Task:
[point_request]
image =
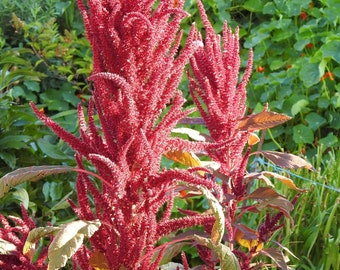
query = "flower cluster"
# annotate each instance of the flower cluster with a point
(126, 130)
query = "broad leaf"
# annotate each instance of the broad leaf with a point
(34, 235)
(98, 261)
(193, 134)
(228, 260)
(280, 203)
(248, 238)
(253, 138)
(277, 256)
(263, 176)
(218, 227)
(262, 120)
(263, 193)
(7, 248)
(68, 240)
(286, 160)
(185, 158)
(32, 174)
(285, 180)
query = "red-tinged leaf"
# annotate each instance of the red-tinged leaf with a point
(32, 174)
(187, 212)
(260, 176)
(263, 193)
(192, 121)
(262, 120)
(286, 160)
(277, 256)
(285, 180)
(98, 261)
(280, 203)
(248, 238)
(170, 252)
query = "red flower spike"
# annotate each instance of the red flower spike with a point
(217, 93)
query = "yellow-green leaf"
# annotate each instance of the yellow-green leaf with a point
(34, 235)
(68, 240)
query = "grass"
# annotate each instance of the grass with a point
(315, 237)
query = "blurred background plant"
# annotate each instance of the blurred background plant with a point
(45, 58)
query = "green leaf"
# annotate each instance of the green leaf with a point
(14, 141)
(303, 134)
(315, 121)
(32, 174)
(51, 150)
(22, 196)
(9, 159)
(331, 49)
(68, 240)
(309, 73)
(299, 106)
(329, 141)
(253, 5)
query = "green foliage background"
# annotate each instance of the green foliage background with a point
(45, 58)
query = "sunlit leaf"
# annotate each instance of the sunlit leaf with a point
(98, 261)
(277, 256)
(263, 193)
(248, 238)
(285, 180)
(218, 227)
(34, 235)
(263, 176)
(286, 160)
(253, 138)
(262, 120)
(68, 240)
(32, 174)
(228, 260)
(185, 158)
(7, 248)
(193, 134)
(258, 175)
